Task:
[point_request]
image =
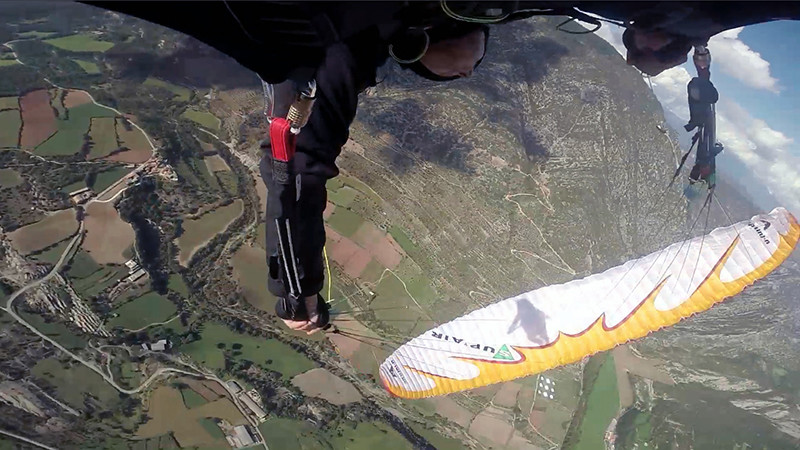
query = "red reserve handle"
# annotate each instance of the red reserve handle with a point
(282, 139)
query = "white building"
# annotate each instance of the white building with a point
(158, 346)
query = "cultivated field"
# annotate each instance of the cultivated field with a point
(10, 122)
(192, 399)
(107, 235)
(134, 140)
(73, 385)
(54, 228)
(99, 280)
(76, 98)
(601, 407)
(9, 178)
(168, 413)
(9, 103)
(176, 284)
(369, 436)
(181, 93)
(492, 425)
(202, 118)
(52, 255)
(215, 163)
(8, 62)
(35, 34)
(103, 134)
(327, 386)
(250, 269)
(360, 351)
(88, 66)
(71, 133)
(142, 311)
(197, 232)
(38, 120)
(80, 43)
(109, 177)
(267, 353)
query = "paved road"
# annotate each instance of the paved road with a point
(24, 439)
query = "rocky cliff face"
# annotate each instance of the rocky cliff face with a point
(546, 164)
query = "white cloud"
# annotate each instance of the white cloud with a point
(737, 59)
(670, 89)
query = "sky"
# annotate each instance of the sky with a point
(756, 70)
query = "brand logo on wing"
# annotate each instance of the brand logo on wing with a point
(759, 232)
(461, 341)
(395, 371)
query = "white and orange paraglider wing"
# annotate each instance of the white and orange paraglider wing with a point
(561, 324)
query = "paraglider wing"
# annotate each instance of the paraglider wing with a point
(561, 324)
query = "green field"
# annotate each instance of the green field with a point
(73, 187)
(343, 197)
(203, 118)
(176, 284)
(10, 122)
(403, 240)
(9, 178)
(75, 383)
(259, 350)
(601, 407)
(192, 399)
(35, 34)
(87, 66)
(69, 138)
(109, 177)
(8, 62)
(133, 139)
(128, 375)
(436, 439)
(393, 305)
(198, 231)
(228, 181)
(98, 281)
(360, 186)
(345, 222)
(143, 311)
(209, 176)
(80, 43)
(9, 102)
(368, 436)
(249, 266)
(281, 433)
(82, 265)
(103, 133)
(183, 94)
(55, 331)
(52, 255)
(186, 174)
(211, 427)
